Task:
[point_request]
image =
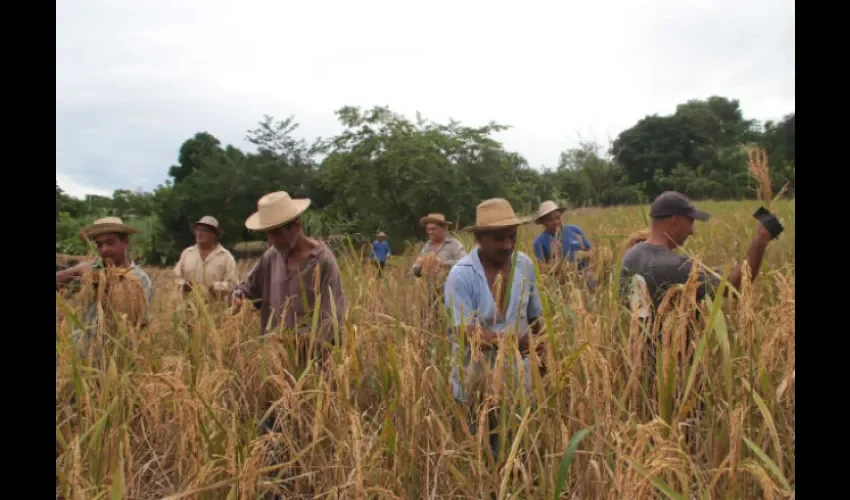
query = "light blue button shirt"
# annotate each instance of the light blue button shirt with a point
(468, 297)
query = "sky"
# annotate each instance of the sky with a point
(135, 79)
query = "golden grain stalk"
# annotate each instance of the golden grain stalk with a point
(759, 169)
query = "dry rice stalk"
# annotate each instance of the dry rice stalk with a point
(636, 237)
(760, 170)
(116, 290)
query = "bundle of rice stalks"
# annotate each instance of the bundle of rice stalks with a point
(636, 237)
(118, 291)
(431, 265)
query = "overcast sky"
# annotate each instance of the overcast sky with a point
(134, 79)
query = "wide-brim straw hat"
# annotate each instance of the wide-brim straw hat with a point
(546, 208)
(381, 233)
(434, 219)
(496, 213)
(209, 220)
(274, 210)
(106, 225)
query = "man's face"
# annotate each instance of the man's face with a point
(111, 247)
(436, 232)
(204, 234)
(681, 228)
(381, 237)
(284, 238)
(498, 245)
(552, 221)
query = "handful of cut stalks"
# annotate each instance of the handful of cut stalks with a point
(117, 291)
(430, 265)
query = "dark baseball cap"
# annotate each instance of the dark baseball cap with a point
(671, 203)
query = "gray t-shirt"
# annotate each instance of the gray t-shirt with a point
(658, 268)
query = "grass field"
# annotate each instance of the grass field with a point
(177, 416)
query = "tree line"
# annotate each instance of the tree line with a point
(384, 171)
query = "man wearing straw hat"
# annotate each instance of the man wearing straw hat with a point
(111, 239)
(488, 293)
(207, 265)
(292, 275)
(558, 243)
(380, 251)
(441, 251)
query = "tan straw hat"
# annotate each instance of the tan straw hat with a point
(104, 226)
(434, 219)
(495, 213)
(209, 220)
(381, 233)
(276, 209)
(546, 208)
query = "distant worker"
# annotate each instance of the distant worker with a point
(441, 251)
(207, 265)
(292, 274)
(480, 301)
(130, 290)
(380, 251)
(559, 244)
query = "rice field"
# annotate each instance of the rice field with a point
(170, 413)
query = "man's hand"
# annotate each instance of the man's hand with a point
(236, 298)
(762, 234)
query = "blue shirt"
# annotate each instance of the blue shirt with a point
(380, 250)
(572, 241)
(467, 297)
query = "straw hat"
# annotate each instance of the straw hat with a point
(495, 213)
(276, 209)
(546, 208)
(104, 226)
(435, 219)
(209, 220)
(381, 233)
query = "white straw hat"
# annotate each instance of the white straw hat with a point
(276, 209)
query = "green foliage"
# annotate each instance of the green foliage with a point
(384, 171)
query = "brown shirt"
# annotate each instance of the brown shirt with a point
(293, 293)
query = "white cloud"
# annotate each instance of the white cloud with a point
(135, 79)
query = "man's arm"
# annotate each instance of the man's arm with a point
(585, 243)
(66, 276)
(334, 303)
(178, 270)
(229, 279)
(252, 286)
(540, 250)
(755, 254)
(534, 309)
(417, 266)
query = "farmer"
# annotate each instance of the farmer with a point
(652, 267)
(207, 265)
(111, 238)
(441, 251)
(558, 243)
(659, 266)
(380, 251)
(485, 311)
(292, 274)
